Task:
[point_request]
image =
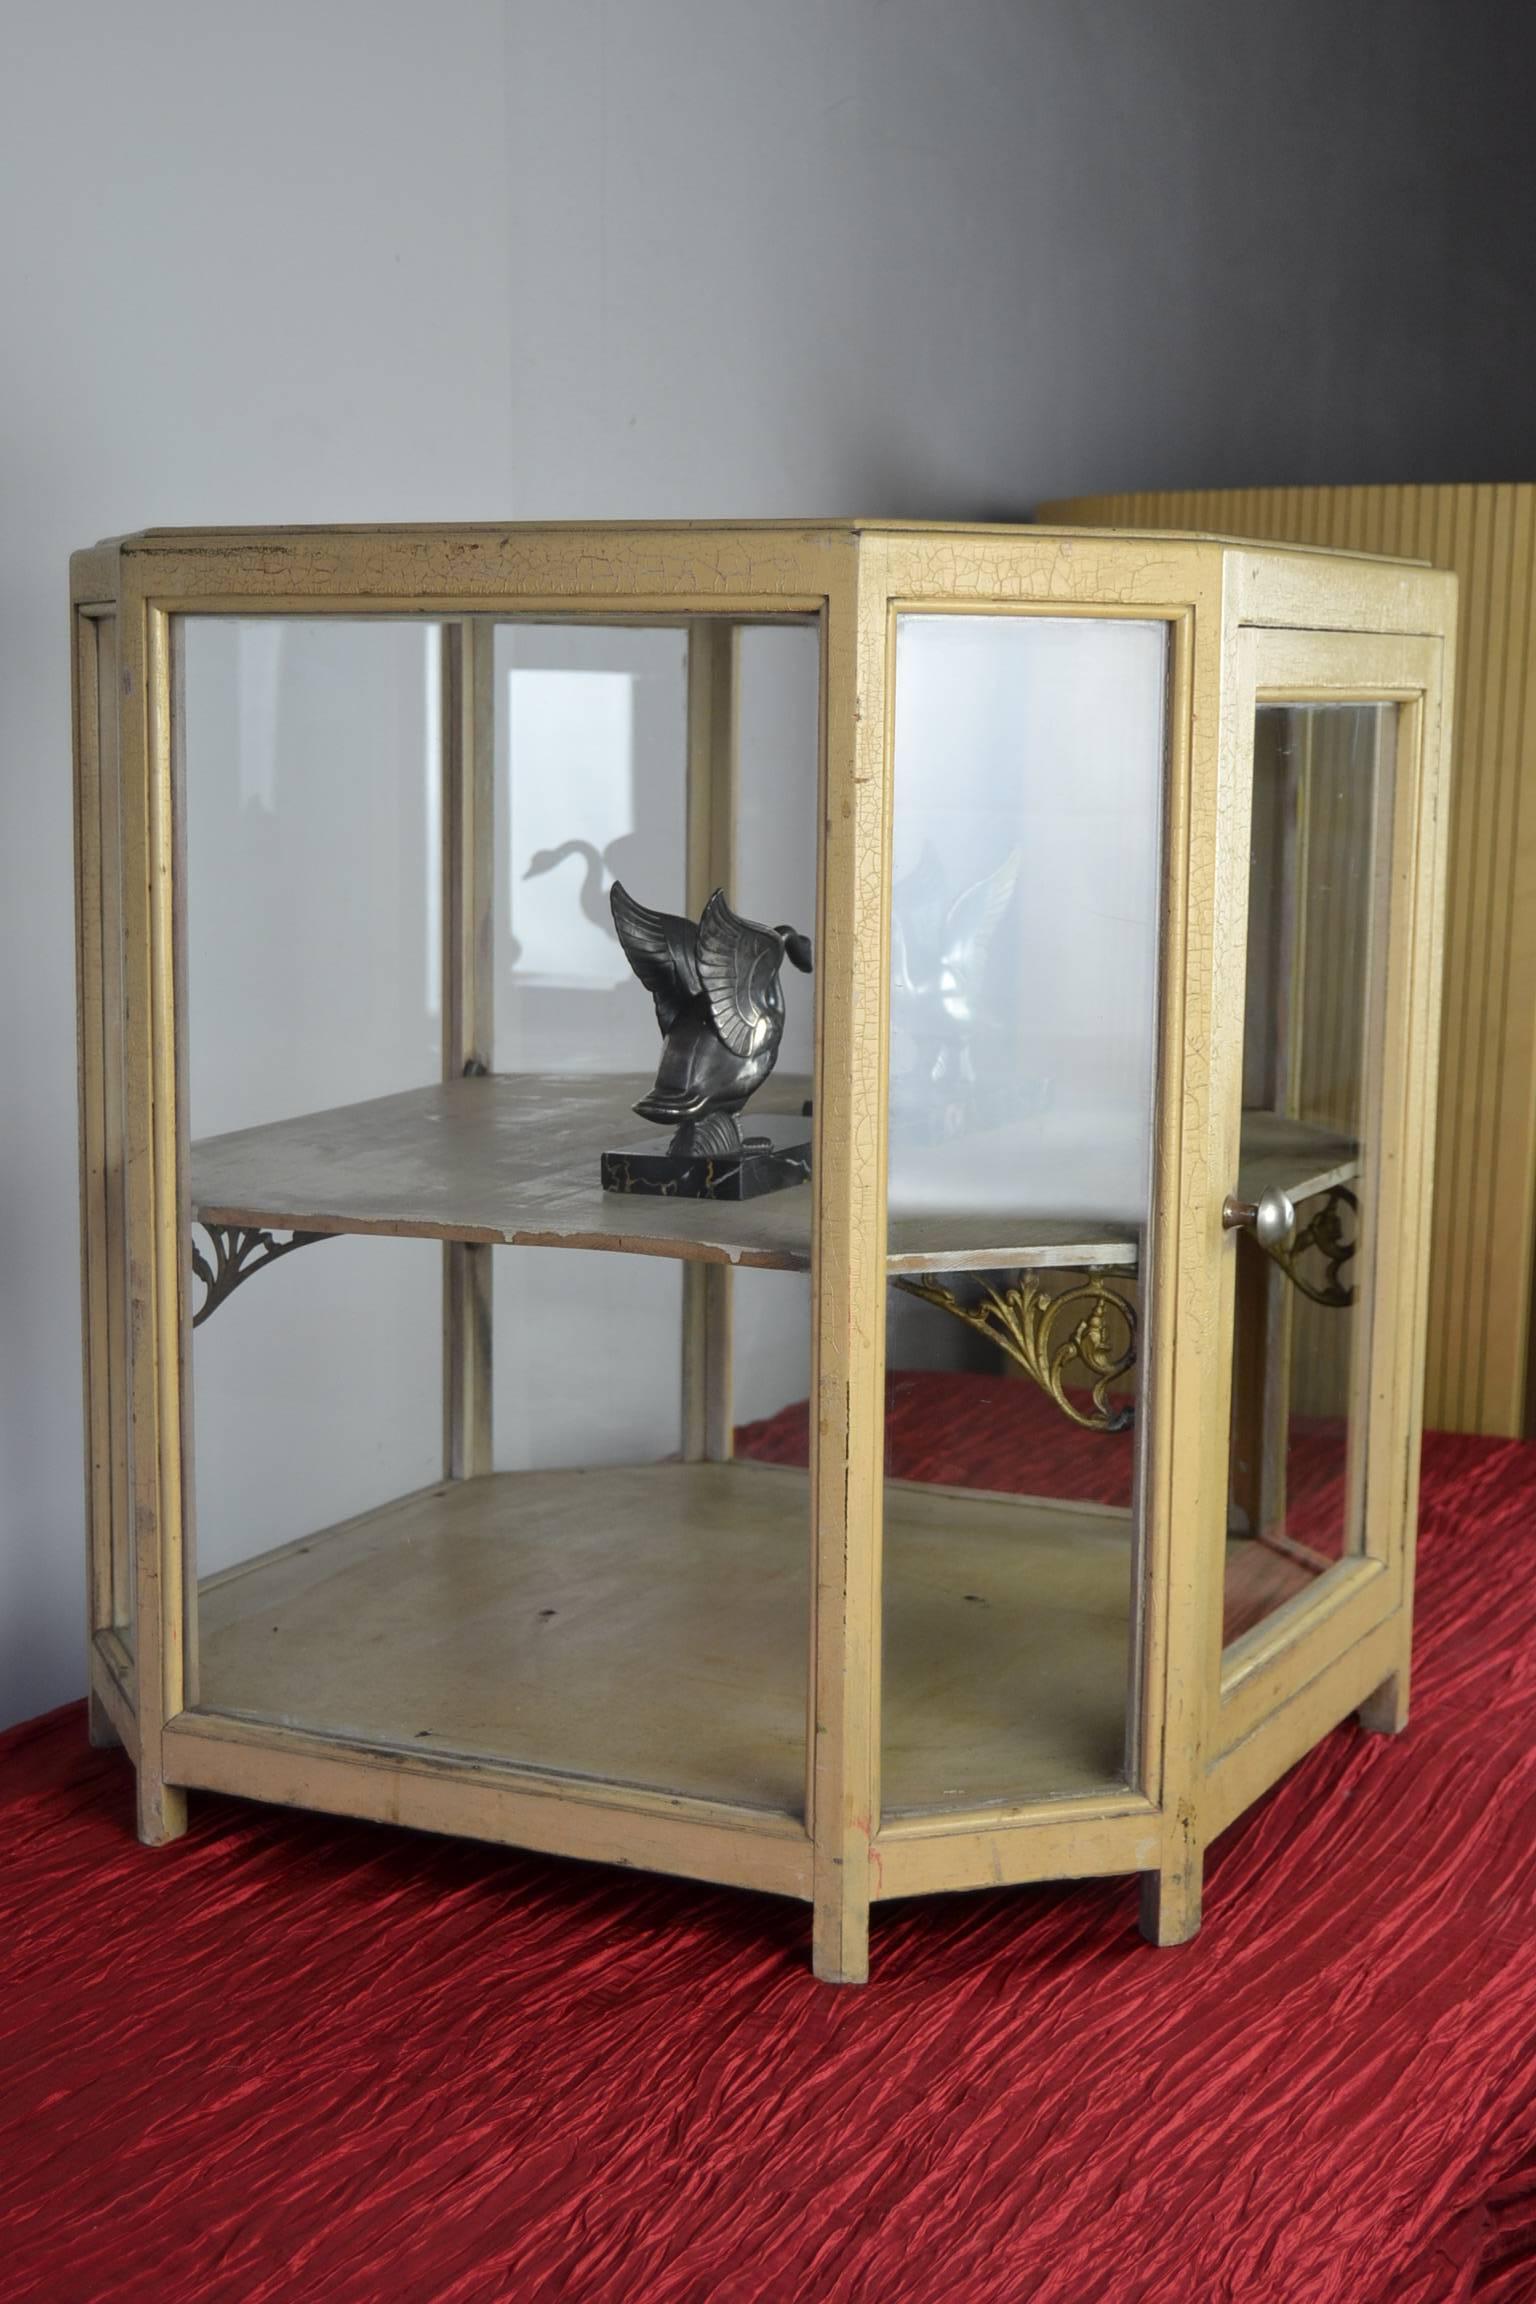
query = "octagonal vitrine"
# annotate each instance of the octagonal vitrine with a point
(994, 1457)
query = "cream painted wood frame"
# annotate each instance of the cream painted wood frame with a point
(1200, 1747)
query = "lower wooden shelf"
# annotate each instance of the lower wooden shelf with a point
(649, 1627)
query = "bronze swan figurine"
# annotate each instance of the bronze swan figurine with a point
(720, 1007)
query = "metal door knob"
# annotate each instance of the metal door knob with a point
(1271, 1218)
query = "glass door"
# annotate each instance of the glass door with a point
(1321, 1208)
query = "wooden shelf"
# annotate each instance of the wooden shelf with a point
(507, 1159)
(512, 1159)
(1299, 1159)
(648, 1627)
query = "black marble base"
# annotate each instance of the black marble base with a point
(775, 1153)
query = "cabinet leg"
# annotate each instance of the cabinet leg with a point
(162, 1810)
(840, 1936)
(1385, 1710)
(1170, 1903)
(98, 1720)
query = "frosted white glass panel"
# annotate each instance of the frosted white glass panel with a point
(1028, 806)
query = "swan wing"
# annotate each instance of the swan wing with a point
(739, 965)
(975, 916)
(661, 947)
(918, 902)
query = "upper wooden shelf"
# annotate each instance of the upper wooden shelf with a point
(512, 1159)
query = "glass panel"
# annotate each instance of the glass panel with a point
(778, 734)
(673, 1588)
(579, 1599)
(591, 738)
(313, 798)
(317, 1395)
(310, 763)
(1320, 853)
(117, 1505)
(1026, 895)
(591, 781)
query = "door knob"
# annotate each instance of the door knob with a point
(1271, 1218)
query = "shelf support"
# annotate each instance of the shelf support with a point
(1089, 1325)
(1325, 1235)
(238, 1251)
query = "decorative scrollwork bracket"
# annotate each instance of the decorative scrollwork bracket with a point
(1324, 1235)
(1089, 1325)
(238, 1251)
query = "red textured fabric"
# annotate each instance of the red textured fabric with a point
(971, 1431)
(291, 2057)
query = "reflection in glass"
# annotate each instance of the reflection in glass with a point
(1024, 913)
(1024, 943)
(570, 743)
(591, 787)
(1322, 794)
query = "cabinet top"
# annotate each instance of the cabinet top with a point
(828, 525)
(654, 570)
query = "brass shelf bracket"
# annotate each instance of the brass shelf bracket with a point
(1089, 1324)
(238, 1251)
(1324, 1235)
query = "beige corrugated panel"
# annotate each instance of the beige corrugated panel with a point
(1485, 1204)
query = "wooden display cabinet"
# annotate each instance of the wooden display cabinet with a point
(1125, 861)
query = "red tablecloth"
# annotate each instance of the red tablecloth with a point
(297, 2058)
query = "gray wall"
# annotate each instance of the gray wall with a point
(364, 259)
(953, 256)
